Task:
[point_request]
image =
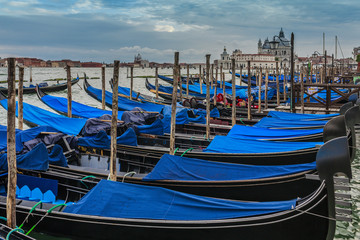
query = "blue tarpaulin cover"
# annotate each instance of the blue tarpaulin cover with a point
(102, 140)
(39, 116)
(181, 117)
(156, 128)
(299, 116)
(24, 136)
(240, 131)
(36, 159)
(172, 167)
(125, 104)
(77, 109)
(126, 92)
(224, 144)
(56, 156)
(269, 122)
(123, 200)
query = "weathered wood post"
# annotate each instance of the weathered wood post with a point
(180, 84)
(241, 68)
(223, 87)
(173, 104)
(114, 120)
(221, 75)
(332, 69)
(187, 80)
(325, 72)
(103, 87)
(69, 96)
(207, 96)
(200, 79)
(212, 76)
(284, 83)
(233, 109)
(277, 84)
(216, 83)
(259, 97)
(302, 91)
(157, 81)
(21, 97)
(30, 73)
(11, 147)
(249, 91)
(131, 80)
(266, 87)
(292, 105)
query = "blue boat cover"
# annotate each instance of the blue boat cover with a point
(240, 131)
(268, 122)
(102, 140)
(77, 109)
(299, 116)
(56, 156)
(126, 92)
(23, 136)
(124, 104)
(39, 116)
(123, 200)
(156, 128)
(202, 112)
(36, 159)
(172, 167)
(224, 144)
(181, 117)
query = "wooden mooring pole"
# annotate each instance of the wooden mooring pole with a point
(233, 108)
(200, 79)
(284, 84)
(207, 96)
(114, 119)
(241, 68)
(30, 73)
(259, 97)
(157, 81)
(173, 104)
(11, 149)
(277, 84)
(292, 105)
(302, 91)
(249, 91)
(131, 81)
(21, 98)
(266, 87)
(187, 79)
(69, 96)
(103, 87)
(216, 83)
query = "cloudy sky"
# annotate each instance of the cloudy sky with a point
(105, 30)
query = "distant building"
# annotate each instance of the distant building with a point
(91, 64)
(279, 47)
(241, 59)
(139, 62)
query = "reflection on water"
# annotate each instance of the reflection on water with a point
(345, 230)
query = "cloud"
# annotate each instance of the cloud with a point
(107, 29)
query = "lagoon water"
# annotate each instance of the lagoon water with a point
(344, 230)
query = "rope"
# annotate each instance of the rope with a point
(127, 174)
(190, 149)
(90, 176)
(176, 150)
(48, 212)
(31, 210)
(14, 230)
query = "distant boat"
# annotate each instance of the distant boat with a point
(44, 86)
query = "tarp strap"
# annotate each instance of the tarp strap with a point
(86, 177)
(31, 210)
(190, 149)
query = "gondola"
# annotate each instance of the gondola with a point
(153, 153)
(51, 88)
(295, 219)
